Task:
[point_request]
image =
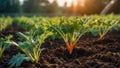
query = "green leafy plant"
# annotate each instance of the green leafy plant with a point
(28, 23)
(18, 59)
(102, 26)
(30, 46)
(71, 29)
(3, 45)
(4, 22)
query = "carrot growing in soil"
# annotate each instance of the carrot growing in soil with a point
(30, 45)
(102, 26)
(3, 45)
(71, 29)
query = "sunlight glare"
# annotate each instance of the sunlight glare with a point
(75, 2)
(82, 2)
(61, 2)
(21, 1)
(50, 1)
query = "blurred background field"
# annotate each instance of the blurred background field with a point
(58, 7)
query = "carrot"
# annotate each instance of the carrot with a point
(70, 47)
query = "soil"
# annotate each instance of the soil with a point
(88, 53)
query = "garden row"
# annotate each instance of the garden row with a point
(4, 22)
(37, 29)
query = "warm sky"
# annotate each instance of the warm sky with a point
(61, 2)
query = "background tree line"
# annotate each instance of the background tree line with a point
(43, 6)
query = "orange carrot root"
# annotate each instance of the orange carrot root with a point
(101, 38)
(70, 47)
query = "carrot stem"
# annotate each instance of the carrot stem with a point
(101, 38)
(70, 47)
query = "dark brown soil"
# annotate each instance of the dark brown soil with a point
(89, 53)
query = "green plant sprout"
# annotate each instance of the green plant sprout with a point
(71, 30)
(101, 26)
(4, 45)
(30, 47)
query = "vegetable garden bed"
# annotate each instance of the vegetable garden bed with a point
(89, 52)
